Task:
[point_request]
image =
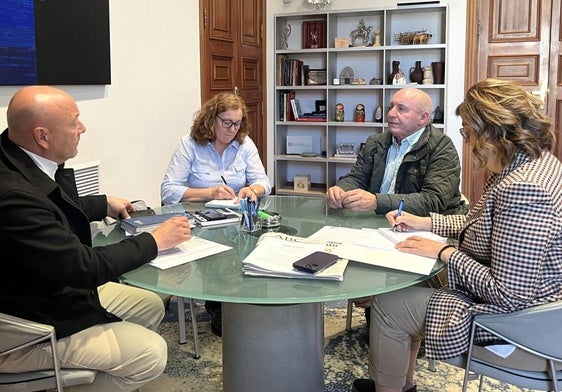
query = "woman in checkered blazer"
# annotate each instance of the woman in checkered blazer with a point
(509, 252)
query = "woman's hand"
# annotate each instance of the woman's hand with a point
(421, 246)
(222, 192)
(407, 221)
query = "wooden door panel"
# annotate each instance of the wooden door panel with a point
(554, 102)
(222, 74)
(515, 20)
(507, 39)
(220, 20)
(251, 28)
(523, 69)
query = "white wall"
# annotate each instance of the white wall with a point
(135, 123)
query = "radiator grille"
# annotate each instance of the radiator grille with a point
(87, 178)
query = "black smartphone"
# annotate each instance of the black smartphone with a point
(211, 215)
(315, 262)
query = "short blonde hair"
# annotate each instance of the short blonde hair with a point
(505, 118)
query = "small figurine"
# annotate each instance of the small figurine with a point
(285, 34)
(438, 115)
(362, 32)
(378, 114)
(359, 115)
(399, 78)
(377, 41)
(339, 113)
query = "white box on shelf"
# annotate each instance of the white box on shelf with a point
(302, 182)
(299, 144)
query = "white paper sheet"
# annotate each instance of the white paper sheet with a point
(193, 249)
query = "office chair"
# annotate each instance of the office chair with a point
(17, 333)
(537, 336)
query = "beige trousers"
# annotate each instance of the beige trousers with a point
(397, 327)
(128, 354)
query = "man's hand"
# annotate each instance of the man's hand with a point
(118, 208)
(334, 197)
(172, 232)
(359, 200)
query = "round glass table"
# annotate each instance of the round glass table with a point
(273, 331)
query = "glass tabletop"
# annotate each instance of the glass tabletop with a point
(220, 277)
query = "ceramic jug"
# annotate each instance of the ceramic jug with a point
(416, 73)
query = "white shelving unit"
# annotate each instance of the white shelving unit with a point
(367, 62)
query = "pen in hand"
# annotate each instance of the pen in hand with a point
(399, 212)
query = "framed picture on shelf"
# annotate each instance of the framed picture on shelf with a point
(313, 34)
(316, 77)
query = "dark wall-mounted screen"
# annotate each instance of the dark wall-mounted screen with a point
(54, 42)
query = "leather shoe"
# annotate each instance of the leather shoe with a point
(368, 385)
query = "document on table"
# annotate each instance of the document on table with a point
(275, 254)
(228, 203)
(191, 250)
(370, 246)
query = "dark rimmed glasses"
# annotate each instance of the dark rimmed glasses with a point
(226, 124)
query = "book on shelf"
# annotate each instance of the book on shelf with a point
(148, 223)
(216, 217)
(275, 254)
(296, 108)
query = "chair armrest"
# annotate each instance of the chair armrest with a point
(536, 329)
(18, 333)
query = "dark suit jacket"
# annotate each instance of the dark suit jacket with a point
(50, 271)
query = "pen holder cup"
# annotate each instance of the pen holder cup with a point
(250, 225)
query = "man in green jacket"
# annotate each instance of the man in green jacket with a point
(413, 161)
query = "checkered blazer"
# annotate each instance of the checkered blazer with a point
(509, 256)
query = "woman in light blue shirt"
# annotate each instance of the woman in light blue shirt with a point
(217, 160)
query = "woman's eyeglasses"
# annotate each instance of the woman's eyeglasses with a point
(465, 135)
(226, 124)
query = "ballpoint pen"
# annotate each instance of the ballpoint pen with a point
(399, 212)
(223, 180)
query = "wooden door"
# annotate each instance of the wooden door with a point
(511, 39)
(233, 57)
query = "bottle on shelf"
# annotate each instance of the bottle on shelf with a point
(416, 73)
(395, 70)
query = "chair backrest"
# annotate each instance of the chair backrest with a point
(16, 334)
(537, 336)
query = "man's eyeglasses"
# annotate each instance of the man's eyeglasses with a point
(465, 135)
(226, 124)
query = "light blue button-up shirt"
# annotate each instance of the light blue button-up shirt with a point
(195, 166)
(396, 154)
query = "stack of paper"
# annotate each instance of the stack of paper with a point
(377, 247)
(275, 254)
(193, 249)
(233, 204)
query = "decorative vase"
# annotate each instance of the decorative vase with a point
(395, 70)
(416, 73)
(438, 69)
